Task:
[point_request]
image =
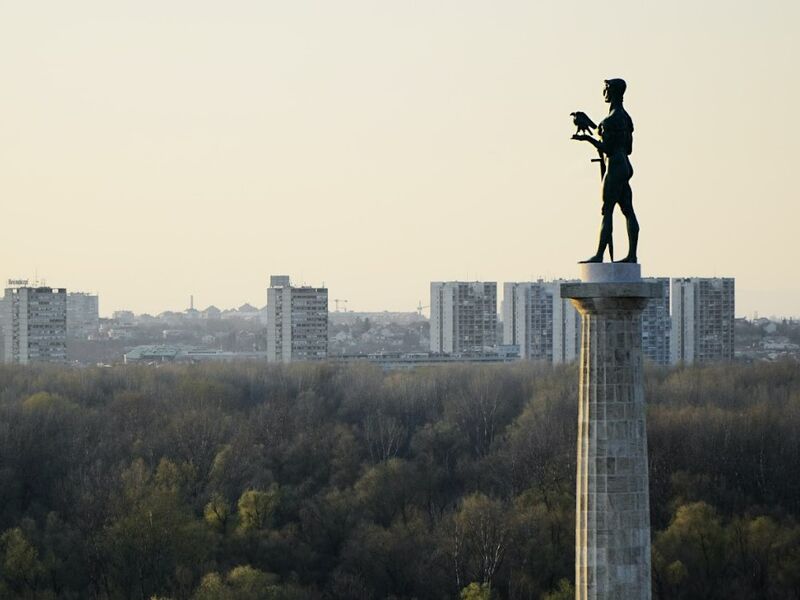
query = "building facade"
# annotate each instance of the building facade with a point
(544, 325)
(702, 319)
(35, 325)
(463, 317)
(657, 325)
(83, 314)
(297, 321)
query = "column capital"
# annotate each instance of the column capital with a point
(640, 289)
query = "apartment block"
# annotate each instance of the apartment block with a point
(702, 319)
(83, 314)
(35, 325)
(463, 316)
(297, 321)
(657, 325)
(544, 325)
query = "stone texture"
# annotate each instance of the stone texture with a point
(610, 272)
(612, 543)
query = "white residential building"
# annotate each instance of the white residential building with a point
(83, 314)
(463, 317)
(544, 325)
(297, 321)
(35, 324)
(702, 319)
(656, 325)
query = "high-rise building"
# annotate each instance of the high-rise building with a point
(83, 314)
(463, 316)
(544, 325)
(509, 313)
(656, 325)
(35, 324)
(702, 319)
(297, 321)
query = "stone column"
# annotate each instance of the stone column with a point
(612, 525)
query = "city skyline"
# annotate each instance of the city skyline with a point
(333, 306)
(159, 151)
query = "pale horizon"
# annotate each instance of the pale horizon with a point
(153, 151)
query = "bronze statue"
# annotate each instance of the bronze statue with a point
(614, 147)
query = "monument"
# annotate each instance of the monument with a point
(612, 524)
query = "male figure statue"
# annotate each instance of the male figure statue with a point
(614, 146)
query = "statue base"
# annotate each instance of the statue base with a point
(610, 272)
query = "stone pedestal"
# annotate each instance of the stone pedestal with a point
(612, 536)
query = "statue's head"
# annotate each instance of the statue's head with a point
(614, 90)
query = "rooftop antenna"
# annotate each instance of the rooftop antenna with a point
(191, 302)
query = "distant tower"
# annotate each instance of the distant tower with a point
(35, 325)
(702, 319)
(463, 316)
(297, 321)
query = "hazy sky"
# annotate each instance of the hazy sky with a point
(153, 150)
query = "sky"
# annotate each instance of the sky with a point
(154, 150)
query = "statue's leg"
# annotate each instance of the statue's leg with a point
(605, 234)
(606, 229)
(632, 224)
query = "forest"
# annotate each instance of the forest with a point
(318, 481)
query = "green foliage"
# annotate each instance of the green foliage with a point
(255, 508)
(476, 591)
(243, 583)
(325, 481)
(44, 402)
(212, 587)
(248, 583)
(22, 569)
(217, 512)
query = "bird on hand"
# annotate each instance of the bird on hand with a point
(582, 122)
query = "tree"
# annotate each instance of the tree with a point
(217, 512)
(565, 591)
(479, 535)
(689, 557)
(476, 591)
(22, 569)
(255, 508)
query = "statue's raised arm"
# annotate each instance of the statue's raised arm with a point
(614, 145)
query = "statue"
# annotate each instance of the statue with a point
(614, 147)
